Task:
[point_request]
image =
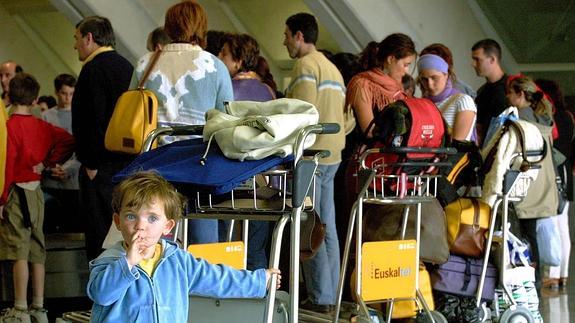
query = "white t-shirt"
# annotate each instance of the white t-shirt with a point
(454, 104)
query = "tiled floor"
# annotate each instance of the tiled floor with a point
(560, 306)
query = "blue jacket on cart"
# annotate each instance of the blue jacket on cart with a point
(124, 295)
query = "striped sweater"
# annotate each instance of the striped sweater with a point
(316, 80)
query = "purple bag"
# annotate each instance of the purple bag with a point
(460, 276)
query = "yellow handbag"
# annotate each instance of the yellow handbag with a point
(404, 309)
(134, 117)
(467, 222)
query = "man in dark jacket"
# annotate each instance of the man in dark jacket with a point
(104, 77)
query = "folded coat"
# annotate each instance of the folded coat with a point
(255, 130)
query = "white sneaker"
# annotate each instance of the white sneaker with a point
(13, 315)
(38, 315)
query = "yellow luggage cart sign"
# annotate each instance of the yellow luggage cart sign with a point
(227, 253)
(388, 269)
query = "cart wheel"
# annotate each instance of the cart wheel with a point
(518, 315)
(360, 319)
(478, 314)
(422, 317)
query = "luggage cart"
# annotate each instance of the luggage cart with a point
(286, 210)
(379, 188)
(516, 181)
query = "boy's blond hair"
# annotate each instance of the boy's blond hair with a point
(143, 188)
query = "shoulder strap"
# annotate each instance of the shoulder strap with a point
(149, 68)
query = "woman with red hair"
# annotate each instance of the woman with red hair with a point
(187, 81)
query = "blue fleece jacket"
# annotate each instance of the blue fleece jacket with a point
(124, 295)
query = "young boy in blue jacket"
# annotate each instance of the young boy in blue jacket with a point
(148, 279)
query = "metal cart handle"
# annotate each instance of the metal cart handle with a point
(329, 128)
(406, 150)
(411, 150)
(320, 128)
(194, 130)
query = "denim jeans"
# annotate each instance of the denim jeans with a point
(202, 231)
(321, 272)
(258, 232)
(257, 242)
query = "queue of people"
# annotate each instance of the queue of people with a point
(69, 171)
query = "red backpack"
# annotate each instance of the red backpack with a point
(411, 123)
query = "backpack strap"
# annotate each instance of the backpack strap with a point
(149, 68)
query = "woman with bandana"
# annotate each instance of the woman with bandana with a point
(458, 109)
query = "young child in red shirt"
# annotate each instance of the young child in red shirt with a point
(32, 144)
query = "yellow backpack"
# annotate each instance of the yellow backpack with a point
(134, 117)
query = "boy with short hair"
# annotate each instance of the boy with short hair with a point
(32, 144)
(149, 279)
(60, 183)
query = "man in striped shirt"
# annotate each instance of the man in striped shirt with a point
(316, 80)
